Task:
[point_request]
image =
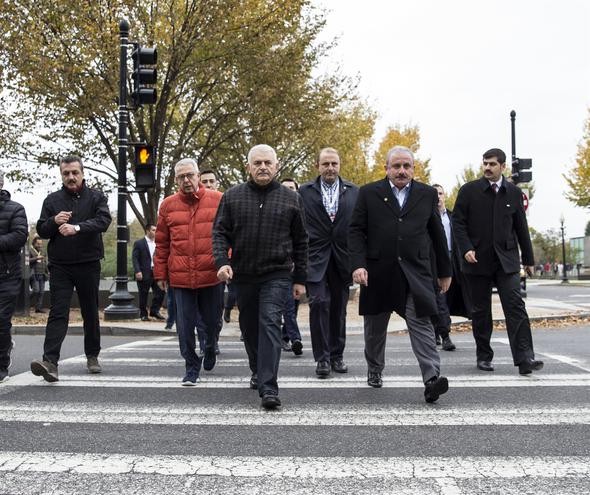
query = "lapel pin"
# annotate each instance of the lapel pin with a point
(508, 206)
(385, 199)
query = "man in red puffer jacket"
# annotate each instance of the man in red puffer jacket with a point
(184, 261)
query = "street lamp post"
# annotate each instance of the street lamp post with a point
(122, 307)
(564, 279)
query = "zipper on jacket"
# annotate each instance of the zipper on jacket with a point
(261, 199)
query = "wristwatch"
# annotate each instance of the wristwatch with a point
(77, 228)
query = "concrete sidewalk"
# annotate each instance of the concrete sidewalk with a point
(537, 309)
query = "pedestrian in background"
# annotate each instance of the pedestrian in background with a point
(14, 230)
(142, 257)
(490, 225)
(39, 273)
(262, 223)
(73, 219)
(290, 331)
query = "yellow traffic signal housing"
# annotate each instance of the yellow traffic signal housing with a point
(145, 166)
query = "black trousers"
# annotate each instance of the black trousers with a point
(517, 319)
(327, 315)
(261, 308)
(144, 286)
(8, 291)
(84, 277)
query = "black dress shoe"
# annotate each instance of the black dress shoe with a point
(485, 366)
(157, 316)
(297, 347)
(254, 381)
(227, 315)
(374, 379)
(270, 401)
(447, 344)
(338, 366)
(529, 366)
(322, 369)
(145, 318)
(435, 387)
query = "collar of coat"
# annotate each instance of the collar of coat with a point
(273, 184)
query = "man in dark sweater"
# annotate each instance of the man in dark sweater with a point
(262, 223)
(73, 220)
(14, 230)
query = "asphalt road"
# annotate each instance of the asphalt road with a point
(134, 429)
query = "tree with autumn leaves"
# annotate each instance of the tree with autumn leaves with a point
(397, 135)
(232, 73)
(578, 180)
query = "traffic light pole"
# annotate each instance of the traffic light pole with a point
(122, 307)
(513, 134)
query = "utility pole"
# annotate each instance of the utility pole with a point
(564, 279)
(122, 307)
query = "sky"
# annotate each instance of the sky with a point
(456, 68)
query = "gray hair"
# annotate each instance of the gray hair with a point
(262, 147)
(398, 149)
(186, 161)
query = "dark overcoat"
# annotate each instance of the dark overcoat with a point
(488, 222)
(328, 239)
(395, 246)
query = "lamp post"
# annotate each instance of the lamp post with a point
(564, 279)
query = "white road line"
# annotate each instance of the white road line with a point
(210, 380)
(448, 486)
(551, 303)
(308, 415)
(557, 357)
(300, 467)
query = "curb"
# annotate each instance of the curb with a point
(120, 331)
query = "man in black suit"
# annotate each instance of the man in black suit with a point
(395, 229)
(143, 264)
(442, 321)
(490, 224)
(328, 202)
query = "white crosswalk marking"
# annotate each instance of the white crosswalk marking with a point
(125, 401)
(300, 467)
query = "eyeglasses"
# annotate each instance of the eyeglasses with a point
(189, 176)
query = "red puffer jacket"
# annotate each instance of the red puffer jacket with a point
(184, 254)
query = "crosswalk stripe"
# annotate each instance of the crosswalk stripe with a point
(563, 359)
(297, 415)
(209, 380)
(299, 467)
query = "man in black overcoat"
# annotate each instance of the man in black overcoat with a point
(395, 228)
(490, 224)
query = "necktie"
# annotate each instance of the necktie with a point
(495, 188)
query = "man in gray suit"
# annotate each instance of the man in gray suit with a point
(395, 228)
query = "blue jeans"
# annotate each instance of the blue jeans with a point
(290, 326)
(171, 307)
(191, 304)
(37, 289)
(261, 306)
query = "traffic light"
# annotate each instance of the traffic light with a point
(144, 77)
(521, 170)
(145, 166)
